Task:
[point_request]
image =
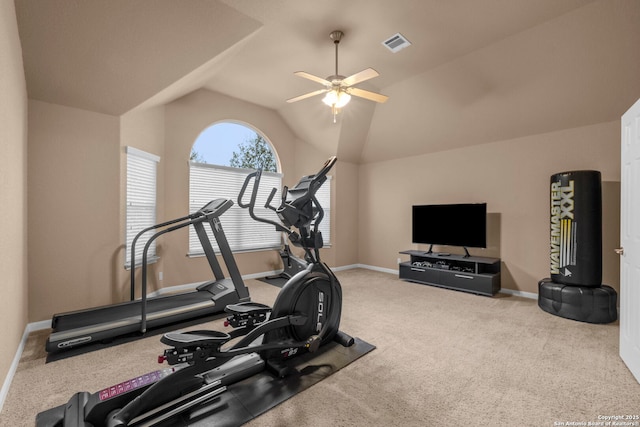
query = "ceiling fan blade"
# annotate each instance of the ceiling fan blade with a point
(372, 96)
(313, 78)
(360, 77)
(307, 95)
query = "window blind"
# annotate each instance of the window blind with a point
(208, 182)
(324, 198)
(141, 201)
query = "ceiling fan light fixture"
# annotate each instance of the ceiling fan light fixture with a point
(336, 98)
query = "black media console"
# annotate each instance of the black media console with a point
(473, 274)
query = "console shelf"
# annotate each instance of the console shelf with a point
(478, 275)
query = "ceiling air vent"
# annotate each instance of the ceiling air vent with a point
(396, 42)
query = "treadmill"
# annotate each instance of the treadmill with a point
(77, 328)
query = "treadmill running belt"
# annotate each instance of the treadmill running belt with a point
(121, 339)
(130, 309)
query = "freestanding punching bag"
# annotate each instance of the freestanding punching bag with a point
(576, 228)
(575, 290)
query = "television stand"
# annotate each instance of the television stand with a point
(478, 275)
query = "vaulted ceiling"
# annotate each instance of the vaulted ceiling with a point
(477, 70)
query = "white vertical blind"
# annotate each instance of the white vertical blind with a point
(324, 198)
(208, 182)
(141, 201)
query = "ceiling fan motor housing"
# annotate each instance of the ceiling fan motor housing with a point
(336, 79)
(336, 36)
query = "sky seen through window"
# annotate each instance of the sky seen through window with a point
(216, 144)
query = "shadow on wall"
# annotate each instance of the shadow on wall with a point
(494, 235)
(611, 233)
(493, 250)
(118, 290)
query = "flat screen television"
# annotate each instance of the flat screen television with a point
(463, 224)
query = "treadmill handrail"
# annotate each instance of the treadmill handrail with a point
(198, 216)
(185, 221)
(143, 314)
(132, 265)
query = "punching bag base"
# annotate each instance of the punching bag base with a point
(582, 303)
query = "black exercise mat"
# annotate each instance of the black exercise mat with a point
(245, 400)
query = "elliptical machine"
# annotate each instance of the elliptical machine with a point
(305, 316)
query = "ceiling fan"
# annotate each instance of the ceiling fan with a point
(338, 89)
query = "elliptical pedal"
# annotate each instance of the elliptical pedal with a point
(246, 314)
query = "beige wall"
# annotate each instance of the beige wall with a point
(78, 167)
(345, 221)
(512, 177)
(78, 171)
(13, 187)
(75, 243)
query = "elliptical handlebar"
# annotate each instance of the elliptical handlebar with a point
(252, 201)
(270, 198)
(254, 191)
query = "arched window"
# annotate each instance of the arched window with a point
(221, 158)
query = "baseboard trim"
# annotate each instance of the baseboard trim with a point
(345, 267)
(6, 385)
(369, 267)
(522, 294)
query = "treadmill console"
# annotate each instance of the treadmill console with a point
(215, 207)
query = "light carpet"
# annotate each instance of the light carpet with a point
(443, 358)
